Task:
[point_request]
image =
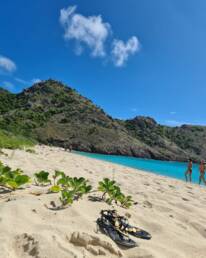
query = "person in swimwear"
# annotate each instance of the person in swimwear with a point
(188, 173)
(202, 172)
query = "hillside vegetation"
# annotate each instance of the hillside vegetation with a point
(55, 114)
(10, 141)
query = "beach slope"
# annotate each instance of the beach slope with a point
(172, 211)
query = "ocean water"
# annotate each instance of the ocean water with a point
(165, 168)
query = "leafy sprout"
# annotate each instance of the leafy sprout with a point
(57, 174)
(114, 193)
(55, 189)
(12, 179)
(126, 201)
(67, 197)
(70, 188)
(42, 178)
(106, 186)
(18, 181)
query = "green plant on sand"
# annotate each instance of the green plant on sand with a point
(106, 186)
(12, 179)
(70, 188)
(114, 193)
(67, 197)
(42, 178)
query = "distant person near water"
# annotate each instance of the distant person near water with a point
(68, 148)
(188, 173)
(202, 172)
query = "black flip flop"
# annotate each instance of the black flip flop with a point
(134, 231)
(118, 237)
(123, 224)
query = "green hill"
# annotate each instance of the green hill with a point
(53, 113)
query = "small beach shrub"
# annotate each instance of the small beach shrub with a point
(17, 181)
(126, 201)
(70, 188)
(63, 180)
(42, 178)
(114, 194)
(57, 184)
(106, 186)
(74, 190)
(79, 186)
(57, 174)
(12, 179)
(67, 197)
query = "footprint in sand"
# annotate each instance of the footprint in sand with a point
(94, 245)
(146, 184)
(200, 228)
(147, 204)
(185, 199)
(26, 244)
(191, 193)
(181, 225)
(160, 190)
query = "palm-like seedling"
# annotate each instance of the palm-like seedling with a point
(79, 186)
(42, 178)
(57, 174)
(67, 197)
(126, 201)
(56, 185)
(64, 180)
(71, 188)
(114, 195)
(106, 186)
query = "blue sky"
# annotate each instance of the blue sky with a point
(130, 57)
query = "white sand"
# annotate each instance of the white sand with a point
(172, 211)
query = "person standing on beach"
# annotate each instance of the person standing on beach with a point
(202, 172)
(189, 171)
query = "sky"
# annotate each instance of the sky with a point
(129, 57)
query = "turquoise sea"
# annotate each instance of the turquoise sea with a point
(165, 168)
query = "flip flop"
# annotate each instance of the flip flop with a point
(114, 234)
(122, 224)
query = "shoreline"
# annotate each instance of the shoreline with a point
(172, 211)
(138, 169)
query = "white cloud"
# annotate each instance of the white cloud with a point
(173, 113)
(88, 31)
(35, 80)
(22, 81)
(8, 85)
(121, 51)
(177, 123)
(7, 64)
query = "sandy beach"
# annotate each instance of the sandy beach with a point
(172, 211)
